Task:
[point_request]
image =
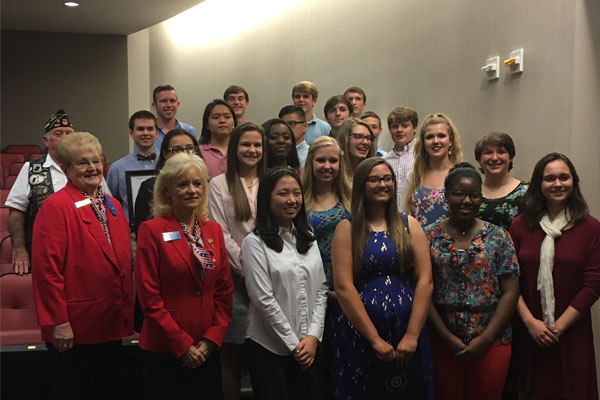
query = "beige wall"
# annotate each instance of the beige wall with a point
(426, 55)
(84, 74)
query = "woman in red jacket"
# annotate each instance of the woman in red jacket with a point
(81, 259)
(184, 286)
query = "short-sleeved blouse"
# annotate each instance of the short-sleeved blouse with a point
(503, 210)
(324, 224)
(466, 288)
(429, 206)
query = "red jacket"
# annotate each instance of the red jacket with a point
(78, 275)
(180, 309)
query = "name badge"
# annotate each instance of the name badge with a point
(170, 236)
(82, 203)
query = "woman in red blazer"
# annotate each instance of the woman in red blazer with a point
(184, 286)
(81, 258)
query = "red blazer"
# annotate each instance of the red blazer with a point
(78, 276)
(180, 309)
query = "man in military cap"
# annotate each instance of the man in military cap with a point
(37, 180)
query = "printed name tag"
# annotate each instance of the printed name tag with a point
(82, 203)
(169, 236)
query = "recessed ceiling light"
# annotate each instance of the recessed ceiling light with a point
(71, 4)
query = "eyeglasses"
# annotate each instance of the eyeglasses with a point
(360, 137)
(83, 164)
(374, 180)
(461, 195)
(292, 124)
(190, 149)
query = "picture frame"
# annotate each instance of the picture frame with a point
(134, 180)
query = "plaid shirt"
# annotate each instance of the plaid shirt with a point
(401, 162)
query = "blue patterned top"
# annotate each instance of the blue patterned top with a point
(466, 288)
(324, 224)
(429, 206)
(503, 210)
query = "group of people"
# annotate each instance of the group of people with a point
(301, 251)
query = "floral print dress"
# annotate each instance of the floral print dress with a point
(466, 287)
(429, 206)
(503, 210)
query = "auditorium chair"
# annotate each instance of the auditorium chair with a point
(35, 156)
(3, 195)
(18, 319)
(25, 149)
(8, 159)
(15, 168)
(6, 250)
(9, 182)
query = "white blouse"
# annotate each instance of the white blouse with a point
(287, 290)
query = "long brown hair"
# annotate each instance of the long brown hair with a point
(241, 206)
(360, 225)
(344, 140)
(534, 202)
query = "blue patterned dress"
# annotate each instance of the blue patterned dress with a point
(387, 296)
(324, 224)
(429, 206)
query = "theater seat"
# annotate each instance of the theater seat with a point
(9, 181)
(3, 195)
(14, 169)
(24, 149)
(5, 268)
(36, 156)
(8, 159)
(18, 320)
(6, 250)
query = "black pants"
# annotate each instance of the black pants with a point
(165, 377)
(88, 371)
(276, 377)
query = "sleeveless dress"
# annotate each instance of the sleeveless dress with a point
(324, 224)
(503, 210)
(429, 205)
(387, 296)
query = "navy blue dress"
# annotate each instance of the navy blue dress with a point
(387, 296)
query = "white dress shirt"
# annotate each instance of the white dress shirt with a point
(18, 198)
(287, 290)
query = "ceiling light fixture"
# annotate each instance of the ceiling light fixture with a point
(71, 4)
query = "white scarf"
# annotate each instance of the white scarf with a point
(545, 283)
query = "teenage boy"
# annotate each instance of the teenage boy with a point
(237, 97)
(166, 104)
(358, 98)
(143, 131)
(337, 110)
(305, 95)
(374, 122)
(402, 123)
(296, 119)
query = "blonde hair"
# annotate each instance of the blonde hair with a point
(344, 140)
(339, 186)
(306, 87)
(422, 158)
(175, 168)
(71, 145)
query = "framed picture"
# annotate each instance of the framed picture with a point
(134, 180)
